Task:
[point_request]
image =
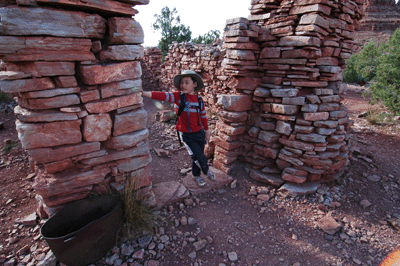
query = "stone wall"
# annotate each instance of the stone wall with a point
(74, 68)
(151, 69)
(276, 84)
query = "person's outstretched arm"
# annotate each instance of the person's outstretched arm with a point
(146, 94)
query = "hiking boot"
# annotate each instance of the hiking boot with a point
(210, 175)
(199, 180)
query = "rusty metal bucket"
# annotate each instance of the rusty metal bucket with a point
(84, 231)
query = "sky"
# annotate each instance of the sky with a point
(200, 16)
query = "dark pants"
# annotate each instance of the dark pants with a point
(195, 143)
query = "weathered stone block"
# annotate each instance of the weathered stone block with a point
(230, 117)
(124, 31)
(245, 55)
(127, 140)
(230, 130)
(284, 109)
(132, 164)
(104, 7)
(310, 8)
(295, 190)
(138, 151)
(268, 136)
(45, 155)
(272, 179)
(98, 74)
(23, 85)
(300, 41)
(44, 69)
(297, 144)
(262, 92)
(16, 49)
(316, 116)
(311, 138)
(236, 103)
(53, 22)
(39, 135)
(122, 53)
(270, 52)
(283, 128)
(110, 104)
(129, 122)
(97, 127)
(314, 19)
(49, 103)
(120, 88)
(284, 92)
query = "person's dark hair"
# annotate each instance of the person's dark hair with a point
(193, 79)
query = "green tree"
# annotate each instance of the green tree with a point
(350, 74)
(386, 85)
(207, 38)
(171, 29)
(366, 61)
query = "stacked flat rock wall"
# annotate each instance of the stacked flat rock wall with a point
(151, 69)
(278, 95)
(74, 68)
(204, 59)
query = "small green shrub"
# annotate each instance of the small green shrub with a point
(350, 74)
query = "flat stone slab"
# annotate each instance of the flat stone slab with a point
(221, 179)
(295, 190)
(169, 192)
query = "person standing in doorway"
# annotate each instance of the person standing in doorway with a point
(192, 125)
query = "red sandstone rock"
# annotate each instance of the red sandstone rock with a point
(98, 74)
(49, 103)
(236, 103)
(16, 49)
(129, 122)
(54, 134)
(46, 21)
(124, 31)
(104, 7)
(133, 164)
(97, 127)
(127, 140)
(109, 104)
(43, 69)
(122, 53)
(45, 155)
(26, 85)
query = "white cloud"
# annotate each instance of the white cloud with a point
(200, 16)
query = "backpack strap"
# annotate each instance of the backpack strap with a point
(182, 105)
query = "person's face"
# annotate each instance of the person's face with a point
(187, 85)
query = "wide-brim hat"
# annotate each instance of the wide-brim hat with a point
(189, 73)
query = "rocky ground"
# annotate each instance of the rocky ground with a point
(352, 221)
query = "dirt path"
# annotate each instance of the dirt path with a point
(233, 225)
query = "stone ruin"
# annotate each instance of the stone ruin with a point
(275, 84)
(274, 81)
(75, 69)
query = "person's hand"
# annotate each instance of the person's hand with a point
(146, 94)
(208, 133)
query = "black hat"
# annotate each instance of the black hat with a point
(189, 73)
